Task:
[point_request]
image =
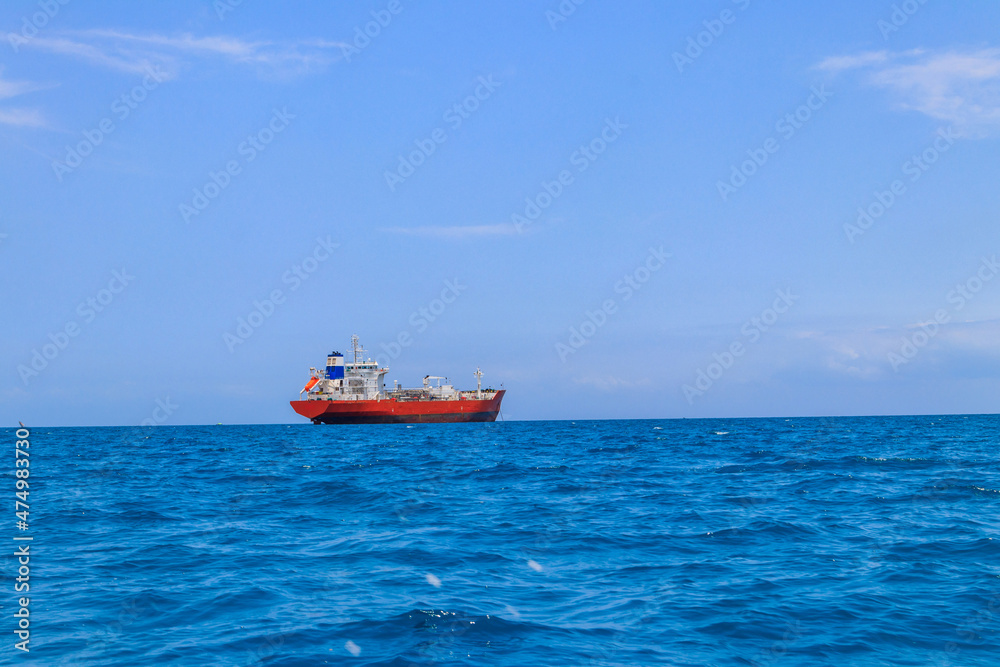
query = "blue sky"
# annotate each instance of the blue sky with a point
(633, 210)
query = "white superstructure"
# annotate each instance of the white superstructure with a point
(362, 380)
(359, 380)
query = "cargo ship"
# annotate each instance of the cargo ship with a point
(355, 393)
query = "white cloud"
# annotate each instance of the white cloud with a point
(227, 46)
(611, 383)
(19, 117)
(131, 63)
(457, 232)
(865, 353)
(22, 117)
(15, 88)
(839, 63)
(135, 53)
(960, 88)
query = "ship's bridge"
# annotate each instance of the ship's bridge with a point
(360, 380)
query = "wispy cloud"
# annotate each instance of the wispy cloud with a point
(867, 354)
(135, 53)
(124, 62)
(457, 232)
(611, 383)
(961, 88)
(15, 88)
(19, 117)
(22, 117)
(839, 63)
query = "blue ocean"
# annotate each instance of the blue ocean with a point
(731, 542)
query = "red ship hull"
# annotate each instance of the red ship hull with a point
(392, 411)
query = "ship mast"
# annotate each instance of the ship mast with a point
(479, 383)
(357, 348)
